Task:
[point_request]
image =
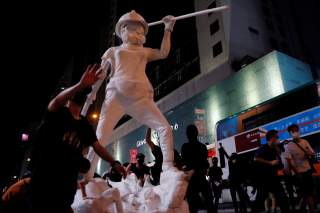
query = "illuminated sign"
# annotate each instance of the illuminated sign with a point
(227, 128)
(308, 121)
(24, 137)
(211, 150)
(247, 141)
(175, 126)
(155, 136)
(141, 143)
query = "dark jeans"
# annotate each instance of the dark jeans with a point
(271, 185)
(199, 184)
(289, 185)
(237, 188)
(216, 191)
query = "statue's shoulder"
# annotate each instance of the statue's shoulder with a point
(109, 52)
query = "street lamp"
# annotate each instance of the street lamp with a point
(94, 116)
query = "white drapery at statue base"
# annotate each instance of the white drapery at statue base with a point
(127, 196)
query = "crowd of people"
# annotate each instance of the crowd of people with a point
(279, 176)
(58, 166)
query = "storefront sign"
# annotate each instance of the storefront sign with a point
(308, 121)
(247, 141)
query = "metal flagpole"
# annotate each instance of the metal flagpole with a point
(216, 9)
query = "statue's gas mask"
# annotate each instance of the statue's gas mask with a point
(133, 33)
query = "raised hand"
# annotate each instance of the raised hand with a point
(169, 22)
(90, 76)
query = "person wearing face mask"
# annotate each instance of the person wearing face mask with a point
(268, 162)
(297, 153)
(129, 90)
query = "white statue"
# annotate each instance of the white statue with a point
(129, 90)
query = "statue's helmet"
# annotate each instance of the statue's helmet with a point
(131, 17)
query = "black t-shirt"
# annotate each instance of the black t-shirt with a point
(140, 172)
(157, 153)
(215, 173)
(268, 153)
(178, 160)
(156, 169)
(58, 152)
(194, 155)
(114, 176)
(236, 171)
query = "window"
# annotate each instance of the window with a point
(214, 27)
(217, 49)
(253, 30)
(212, 5)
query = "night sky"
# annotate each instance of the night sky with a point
(38, 40)
(42, 38)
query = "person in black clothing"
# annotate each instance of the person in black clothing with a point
(126, 164)
(113, 175)
(215, 173)
(178, 162)
(14, 199)
(222, 154)
(194, 155)
(268, 162)
(58, 152)
(139, 168)
(156, 169)
(236, 180)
